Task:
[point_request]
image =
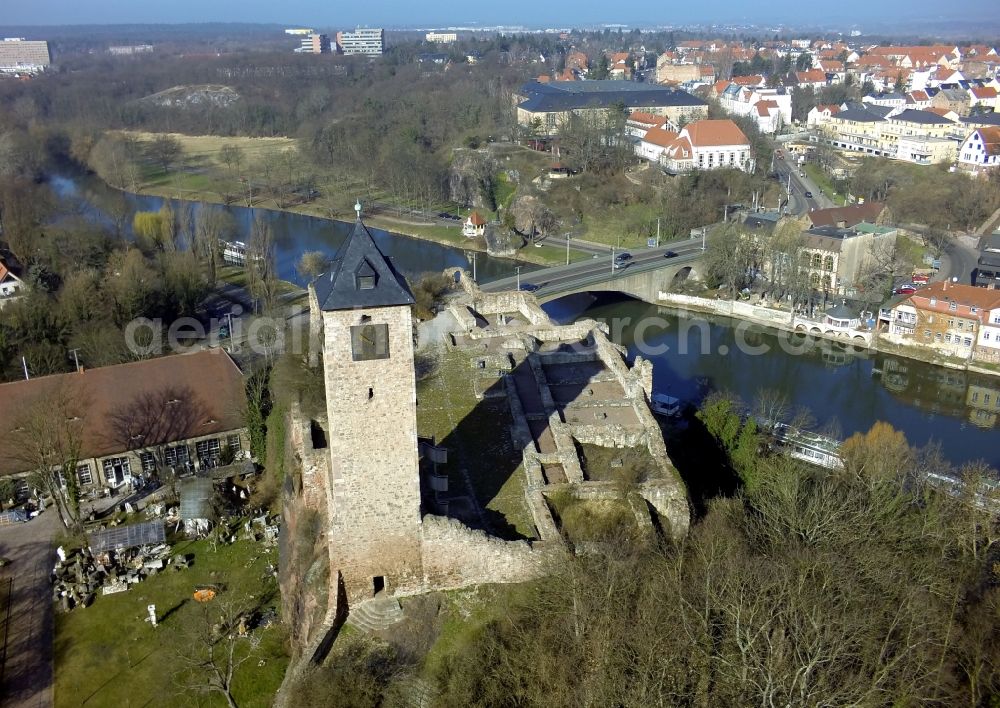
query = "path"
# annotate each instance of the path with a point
(27, 673)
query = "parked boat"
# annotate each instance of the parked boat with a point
(234, 253)
(662, 404)
(808, 447)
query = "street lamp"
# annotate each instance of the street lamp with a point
(567, 248)
(517, 269)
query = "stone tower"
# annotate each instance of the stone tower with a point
(373, 490)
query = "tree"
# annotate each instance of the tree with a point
(803, 62)
(262, 278)
(164, 150)
(312, 264)
(49, 439)
(212, 228)
(156, 230)
(233, 158)
(216, 646)
(881, 452)
(156, 419)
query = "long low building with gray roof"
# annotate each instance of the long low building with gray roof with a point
(546, 105)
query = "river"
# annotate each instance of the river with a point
(294, 234)
(843, 389)
(691, 356)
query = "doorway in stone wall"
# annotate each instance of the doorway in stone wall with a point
(378, 585)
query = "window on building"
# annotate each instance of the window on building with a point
(176, 456)
(84, 475)
(986, 398)
(147, 460)
(233, 441)
(116, 470)
(953, 306)
(967, 341)
(208, 450)
(817, 261)
(951, 323)
(927, 334)
(828, 263)
(937, 337)
(986, 336)
(947, 338)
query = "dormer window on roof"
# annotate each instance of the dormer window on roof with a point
(365, 276)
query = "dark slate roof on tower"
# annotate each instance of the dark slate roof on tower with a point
(361, 276)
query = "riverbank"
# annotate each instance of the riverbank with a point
(783, 321)
(444, 235)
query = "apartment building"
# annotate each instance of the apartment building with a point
(961, 321)
(315, 44)
(18, 55)
(363, 41)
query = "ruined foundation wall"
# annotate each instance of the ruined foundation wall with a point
(456, 556)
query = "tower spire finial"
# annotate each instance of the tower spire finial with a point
(357, 208)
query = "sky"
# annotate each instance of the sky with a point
(429, 13)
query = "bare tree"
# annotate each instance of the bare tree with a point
(155, 420)
(311, 264)
(262, 278)
(164, 150)
(212, 227)
(216, 646)
(49, 439)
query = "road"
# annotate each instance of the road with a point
(798, 202)
(562, 278)
(27, 675)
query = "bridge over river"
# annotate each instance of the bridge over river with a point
(648, 273)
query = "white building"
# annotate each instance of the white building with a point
(820, 115)
(441, 37)
(19, 55)
(368, 42)
(988, 341)
(701, 145)
(11, 286)
(981, 150)
(742, 101)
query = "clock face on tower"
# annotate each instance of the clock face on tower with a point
(370, 341)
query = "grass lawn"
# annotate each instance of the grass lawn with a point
(207, 147)
(106, 655)
(823, 181)
(475, 433)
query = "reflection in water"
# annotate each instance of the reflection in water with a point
(952, 392)
(841, 386)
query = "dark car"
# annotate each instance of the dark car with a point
(529, 287)
(809, 195)
(670, 254)
(622, 259)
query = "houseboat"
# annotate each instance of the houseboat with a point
(234, 253)
(665, 405)
(808, 447)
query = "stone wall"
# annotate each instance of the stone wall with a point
(766, 316)
(456, 556)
